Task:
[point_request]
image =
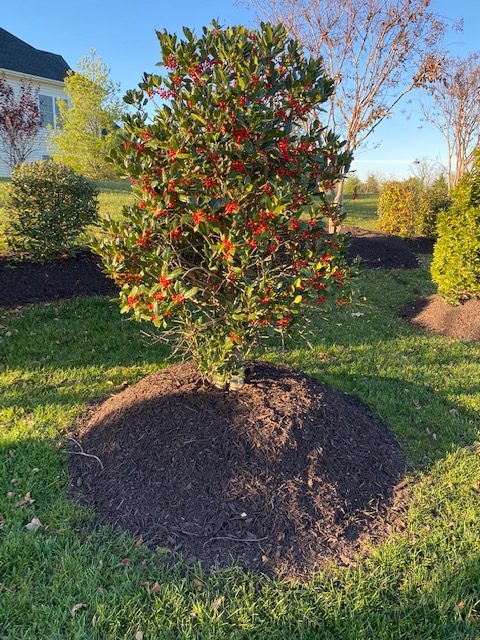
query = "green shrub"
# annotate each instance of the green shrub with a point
(456, 256)
(226, 242)
(398, 208)
(48, 206)
(433, 199)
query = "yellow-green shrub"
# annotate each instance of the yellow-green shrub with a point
(398, 208)
(456, 256)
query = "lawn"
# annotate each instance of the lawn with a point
(423, 583)
(362, 212)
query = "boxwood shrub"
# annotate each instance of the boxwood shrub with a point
(48, 205)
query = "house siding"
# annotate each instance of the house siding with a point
(46, 87)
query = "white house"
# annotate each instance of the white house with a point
(21, 62)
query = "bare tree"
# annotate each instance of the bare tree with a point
(376, 51)
(427, 170)
(454, 109)
(19, 122)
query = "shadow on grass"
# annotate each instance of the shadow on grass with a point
(70, 354)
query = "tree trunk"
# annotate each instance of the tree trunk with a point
(340, 188)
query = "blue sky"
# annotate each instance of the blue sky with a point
(124, 36)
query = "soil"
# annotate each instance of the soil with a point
(23, 282)
(279, 477)
(384, 251)
(432, 313)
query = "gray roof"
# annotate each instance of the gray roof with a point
(17, 55)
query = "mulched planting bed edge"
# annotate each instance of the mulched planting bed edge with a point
(433, 314)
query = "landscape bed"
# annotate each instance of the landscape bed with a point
(81, 275)
(433, 314)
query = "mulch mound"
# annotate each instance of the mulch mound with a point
(434, 314)
(23, 282)
(279, 476)
(383, 251)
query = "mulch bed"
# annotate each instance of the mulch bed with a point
(278, 477)
(383, 251)
(23, 282)
(434, 314)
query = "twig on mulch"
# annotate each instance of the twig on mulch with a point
(83, 453)
(234, 539)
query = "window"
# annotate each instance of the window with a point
(49, 111)
(46, 111)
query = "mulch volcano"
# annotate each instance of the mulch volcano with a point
(24, 282)
(279, 477)
(384, 251)
(433, 314)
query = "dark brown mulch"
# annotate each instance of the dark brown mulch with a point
(81, 275)
(384, 251)
(280, 476)
(434, 314)
(24, 282)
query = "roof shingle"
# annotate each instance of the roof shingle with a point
(17, 55)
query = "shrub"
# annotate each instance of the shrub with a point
(398, 208)
(456, 256)
(433, 199)
(48, 206)
(226, 243)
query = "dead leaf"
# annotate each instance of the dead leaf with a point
(26, 500)
(145, 583)
(416, 404)
(125, 562)
(198, 584)
(11, 494)
(453, 412)
(77, 607)
(217, 603)
(139, 635)
(155, 588)
(460, 606)
(33, 525)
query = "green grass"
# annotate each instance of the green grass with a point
(362, 212)
(421, 584)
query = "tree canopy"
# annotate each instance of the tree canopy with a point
(88, 119)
